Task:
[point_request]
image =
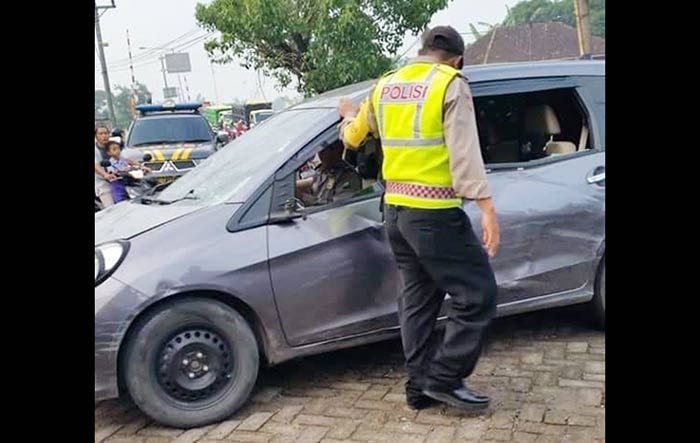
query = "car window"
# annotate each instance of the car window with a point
(169, 129)
(530, 126)
(334, 175)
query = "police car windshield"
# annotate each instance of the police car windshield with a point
(248, 160)
(175, 128)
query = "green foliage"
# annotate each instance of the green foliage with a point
(320, 44)
(122, 103)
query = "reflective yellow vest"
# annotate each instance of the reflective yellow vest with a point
(408, 107)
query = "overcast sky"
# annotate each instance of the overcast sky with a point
(155, 23)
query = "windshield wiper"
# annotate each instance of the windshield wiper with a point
(188, 196)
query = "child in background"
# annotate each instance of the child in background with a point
(119, 164)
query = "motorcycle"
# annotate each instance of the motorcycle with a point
(135, 182)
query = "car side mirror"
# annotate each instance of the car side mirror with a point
(293, 209)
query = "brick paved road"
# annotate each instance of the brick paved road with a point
(545, 372)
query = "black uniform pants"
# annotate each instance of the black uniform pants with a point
(437, 252)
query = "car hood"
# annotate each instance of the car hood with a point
(126, 220)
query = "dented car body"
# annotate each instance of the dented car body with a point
(328, 280)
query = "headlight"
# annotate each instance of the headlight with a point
(108, 257)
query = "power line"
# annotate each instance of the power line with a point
(151, 52)
(156, 59)
(157, 53)
(409, 48)
(192, 42)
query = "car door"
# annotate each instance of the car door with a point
(552, 222)
(552, 217)
(333, 274)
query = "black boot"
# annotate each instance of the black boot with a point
(460, 397)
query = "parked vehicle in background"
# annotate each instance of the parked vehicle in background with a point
(245, 111)
(227, 118)
(257, 117)
(238, 112)
(213, 114)
(176, 136)
(227, 270)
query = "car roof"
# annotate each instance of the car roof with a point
(475, 74)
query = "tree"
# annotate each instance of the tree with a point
(538, 11)
(123, 109)
(101, 111)
(322, 44)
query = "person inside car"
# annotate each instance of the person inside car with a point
(334, 179)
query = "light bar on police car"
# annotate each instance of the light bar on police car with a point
(145, 109)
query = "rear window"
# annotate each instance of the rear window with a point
(169, 129)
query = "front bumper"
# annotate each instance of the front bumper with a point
(115, 307)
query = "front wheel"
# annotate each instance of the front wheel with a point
(191, 363)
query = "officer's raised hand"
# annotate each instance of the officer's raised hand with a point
(346, 108)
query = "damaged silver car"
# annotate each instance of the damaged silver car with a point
(226, 269)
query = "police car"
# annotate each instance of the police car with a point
(175, 136)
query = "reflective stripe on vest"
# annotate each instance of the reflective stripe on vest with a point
(416, 166)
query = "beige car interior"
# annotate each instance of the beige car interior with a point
(541, 119)
(522, 127)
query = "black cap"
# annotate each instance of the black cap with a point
(444, 37)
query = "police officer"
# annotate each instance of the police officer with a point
(424, 116)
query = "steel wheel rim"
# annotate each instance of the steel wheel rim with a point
(194, 365)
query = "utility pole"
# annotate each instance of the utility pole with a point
(180, 91)
(187, 88)
(103, 63)
(583, 27)
(131, 62)
(162, 67)
(134, 94)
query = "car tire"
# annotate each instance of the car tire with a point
(598, 302)
(191, 363)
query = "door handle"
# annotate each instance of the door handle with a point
(596, 178)
(597, 175)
